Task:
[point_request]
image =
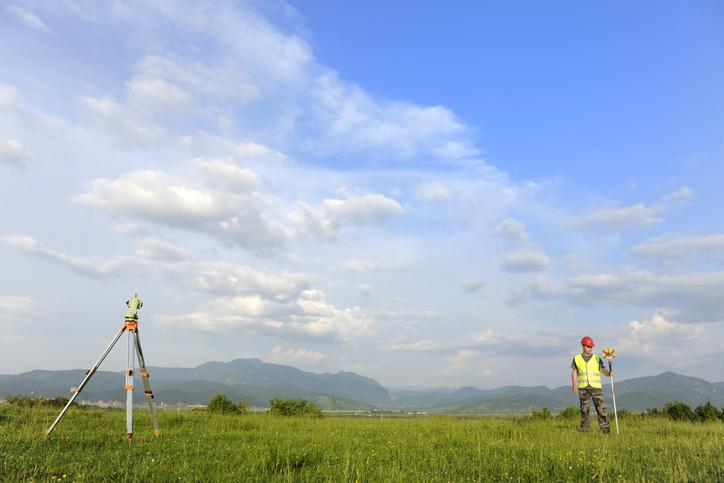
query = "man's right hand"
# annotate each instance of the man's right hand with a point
(575, 390)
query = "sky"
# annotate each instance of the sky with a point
(424, 193)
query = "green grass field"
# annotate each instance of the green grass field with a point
(90, 445)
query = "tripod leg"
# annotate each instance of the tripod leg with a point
(88, 375)
(146, 385)
(129, 383)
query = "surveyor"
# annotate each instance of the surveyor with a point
(586, 372)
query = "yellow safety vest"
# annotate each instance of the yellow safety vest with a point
(589, 373)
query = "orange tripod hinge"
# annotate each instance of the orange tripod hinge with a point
(130, 387)
(130, 325)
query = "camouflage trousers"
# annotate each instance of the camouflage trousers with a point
(597, 395)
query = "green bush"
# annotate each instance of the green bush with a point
(221, 404)
(32, 402)
(571, 412)
(243, 407)
(678, 411)
(706, 412)
(294, 407)
(544, 414)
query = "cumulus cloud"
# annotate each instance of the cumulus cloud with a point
(153, 256)
(431, 191)
(302, 99)
(663, 337)
(696, 294)
(28, 18)
(154, 249)
(158, 97)
(122, 124)
(307, 317)
(634, 216)
(459, 361)
(336, 213)
(279, 354)
(363, 266)
(511, 230)
(29, 245)
(226, 175)
(682, 194)
(12, 152)
(157, 197)
(495, 342)
(528, 260)
(673, 248)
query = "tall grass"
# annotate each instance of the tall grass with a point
(89, 445)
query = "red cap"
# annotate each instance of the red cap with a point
(587, 341)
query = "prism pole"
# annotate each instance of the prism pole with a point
(609, 354)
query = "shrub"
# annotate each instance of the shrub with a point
(294, 407)
(571, 412)
(243, 407)
(678, 411)
(32, 402)
(653, 413)
(544, 414)
(221, 404)
(706, 412)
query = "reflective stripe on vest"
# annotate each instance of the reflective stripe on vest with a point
(589, 373)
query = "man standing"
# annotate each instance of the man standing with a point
(586, 381)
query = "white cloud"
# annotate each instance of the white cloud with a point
(154, 256)
(528, 260)
(28, 18)
(154, 249)
(158, 97)
(459, 361)
(80, 266)
(224, 174)
(512, 230)
(363, 209)
(682, 194)
(498, 342)
(696, 295)
(279, 354)
(663, 338)
(157, 197)
(363, 266)
(431, 191)
(123, 125)
(370, 208)
(634, 216)
(307, 317)
(681, 248)
(12, 152)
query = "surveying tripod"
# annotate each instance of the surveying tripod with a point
(130, 324)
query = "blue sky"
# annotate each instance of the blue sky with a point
(425, 194)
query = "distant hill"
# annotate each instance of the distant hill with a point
(632, 394)
(249, 379)
(258, 382)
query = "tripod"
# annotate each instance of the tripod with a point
(130, 324)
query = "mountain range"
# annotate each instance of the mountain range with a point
(258, 382)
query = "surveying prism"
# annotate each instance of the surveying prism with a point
(130, 324)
